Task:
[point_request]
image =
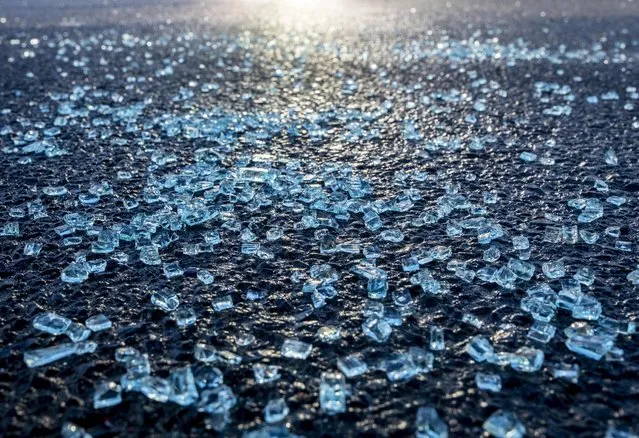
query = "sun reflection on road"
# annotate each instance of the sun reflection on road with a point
(300, 10)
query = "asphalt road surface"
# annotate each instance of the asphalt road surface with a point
(136, 129)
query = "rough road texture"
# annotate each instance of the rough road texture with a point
(290, 56)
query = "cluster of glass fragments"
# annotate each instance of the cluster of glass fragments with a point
(234, 190)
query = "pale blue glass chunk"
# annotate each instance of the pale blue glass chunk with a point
(490, 198)
(402, 298)
(250, 248)
(616, 431)
(129, 204)
(275, 411)
(222, 303)
(601, 186)
(571, 286)
(371, 252)
(107, 394)
(96, 265)
(55, 191)
(70, 430)
(616, 200)
(377, 288)
(102, 247)
(44, 356)
(393, 317)
(487, 273)
(64, 230)
(591, 212)
(615, 354)
(84, 347)
(504, 424)
(377, 329)
(633, 277)
(400, 367)
(98, 322)
(295, 349)
(488, 382)
(554, 269)
(613, 231)
(207, 376)
(183, 389)
(591, 346)
(138, 367)
(432, 286)
(527, 360)
(172, 270)
(570, 234)
(579, 328)
(428, 424)
(217, 400)
(205, 276)
(609, 156)
(422, 359)
(629, 328)
(352, 365)
(392, 235)
(540, 308)
(126, 354)
(149, 255)
(541, 331)
(589, 237)
(329, 334)
(266, 373)
(623, 245)
(184, 317)
(473, 320)
(505, 277)
(479, 348)
(332, 393)
(453, 229)
(228, 357)
(16, 212)
(51, 323)
(165, 300)
(205, 353)
(568, 297)
(464, 274)
(373, 308)
(88, 198)
(32, 249)
(566, 371)
(247, 236)
(522, 269)
(76, 272)
(368, 271)
(372, 221)
(155, 388)
(410, 264)
(553, 234)
(611, 325)
(78, 332)
(520, 242)
(275, 233)
(587, 307)
(212, 237)
(437, 339)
